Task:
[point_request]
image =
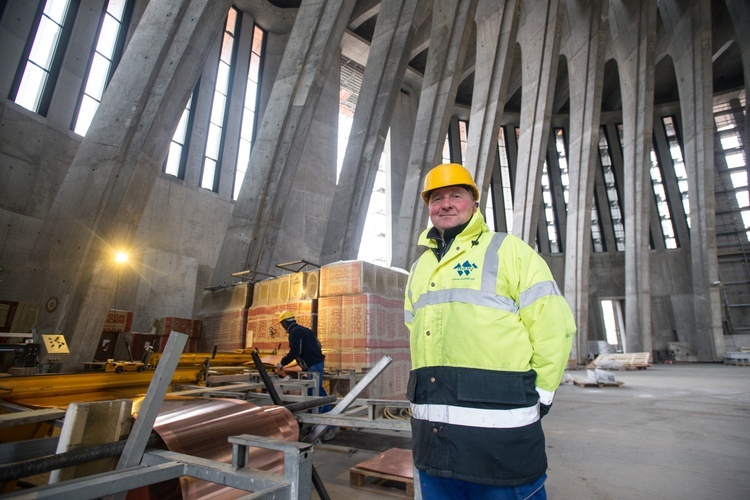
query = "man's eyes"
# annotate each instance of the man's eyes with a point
(455, 197)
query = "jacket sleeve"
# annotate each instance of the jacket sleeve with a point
(547, 317)
(294, 344)
(408, 304)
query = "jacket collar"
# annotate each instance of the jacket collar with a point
(472, 231)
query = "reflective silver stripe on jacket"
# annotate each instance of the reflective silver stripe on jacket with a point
(486, 295)
(476, 417)
(537, 291)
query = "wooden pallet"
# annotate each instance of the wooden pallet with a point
(388, 473)
(736, 362)
(380, 482)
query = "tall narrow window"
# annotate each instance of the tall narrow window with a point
(463, 137)
(562, 161)
(675, 151)
(40, 65)
(249, 112)
(610, 184)
(447, 149)
(109, 45)
(176, 157)
(662, 205)
(549, 212)
(489, 209)
(729, 139)
(505, 179)
(375, 245)
(222, 89)
(596, 229)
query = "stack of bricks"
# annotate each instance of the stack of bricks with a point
(361, 319)
(297, 293)
(189, 327)
(223, 317)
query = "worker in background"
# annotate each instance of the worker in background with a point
(305, 348)
(490, 337)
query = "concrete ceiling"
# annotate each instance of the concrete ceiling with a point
(727, 68)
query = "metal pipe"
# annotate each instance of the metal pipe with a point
(17, 470)
(313, 403)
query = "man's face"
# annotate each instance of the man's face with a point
(450, 207)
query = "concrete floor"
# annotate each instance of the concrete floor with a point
(670, 432)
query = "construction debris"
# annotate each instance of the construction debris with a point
(599, 378)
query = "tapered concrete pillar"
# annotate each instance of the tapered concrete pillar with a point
(402, 129)
(497, 27)
(450, 37)
(633, 31)
(586, 29)
(384, 72)
(693, 66)
(539, 38)
(100, 203)
(312, 47)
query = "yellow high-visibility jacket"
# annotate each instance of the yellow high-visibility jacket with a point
(490, 336)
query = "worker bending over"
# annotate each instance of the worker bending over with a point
(305, 348)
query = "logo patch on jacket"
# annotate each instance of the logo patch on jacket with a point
(465, 269)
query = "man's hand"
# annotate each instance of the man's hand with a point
(544, 409)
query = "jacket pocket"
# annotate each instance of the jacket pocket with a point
(482, 386)
(411, 387)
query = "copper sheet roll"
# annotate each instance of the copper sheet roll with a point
(200, 427)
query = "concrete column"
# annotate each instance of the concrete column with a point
(101, 200)
(308, 206)
(539, 38)
(313, 46)
(691, 22)
(451, 28)
(384, 72)
(497, 27)
(402, 130)
(633, 32)
(586, 29)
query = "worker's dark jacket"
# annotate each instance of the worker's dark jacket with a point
(304, 345)
(490, 335)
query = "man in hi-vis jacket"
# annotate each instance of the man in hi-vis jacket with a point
(490, 336)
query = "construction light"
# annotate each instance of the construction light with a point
(121, 257)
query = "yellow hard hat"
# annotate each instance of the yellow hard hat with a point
(285, 315)
(448, 174)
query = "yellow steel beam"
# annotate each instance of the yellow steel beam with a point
(51, 385)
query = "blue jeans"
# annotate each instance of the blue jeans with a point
(447, 488)
(318, 368)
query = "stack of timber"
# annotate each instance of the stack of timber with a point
(622, 361)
